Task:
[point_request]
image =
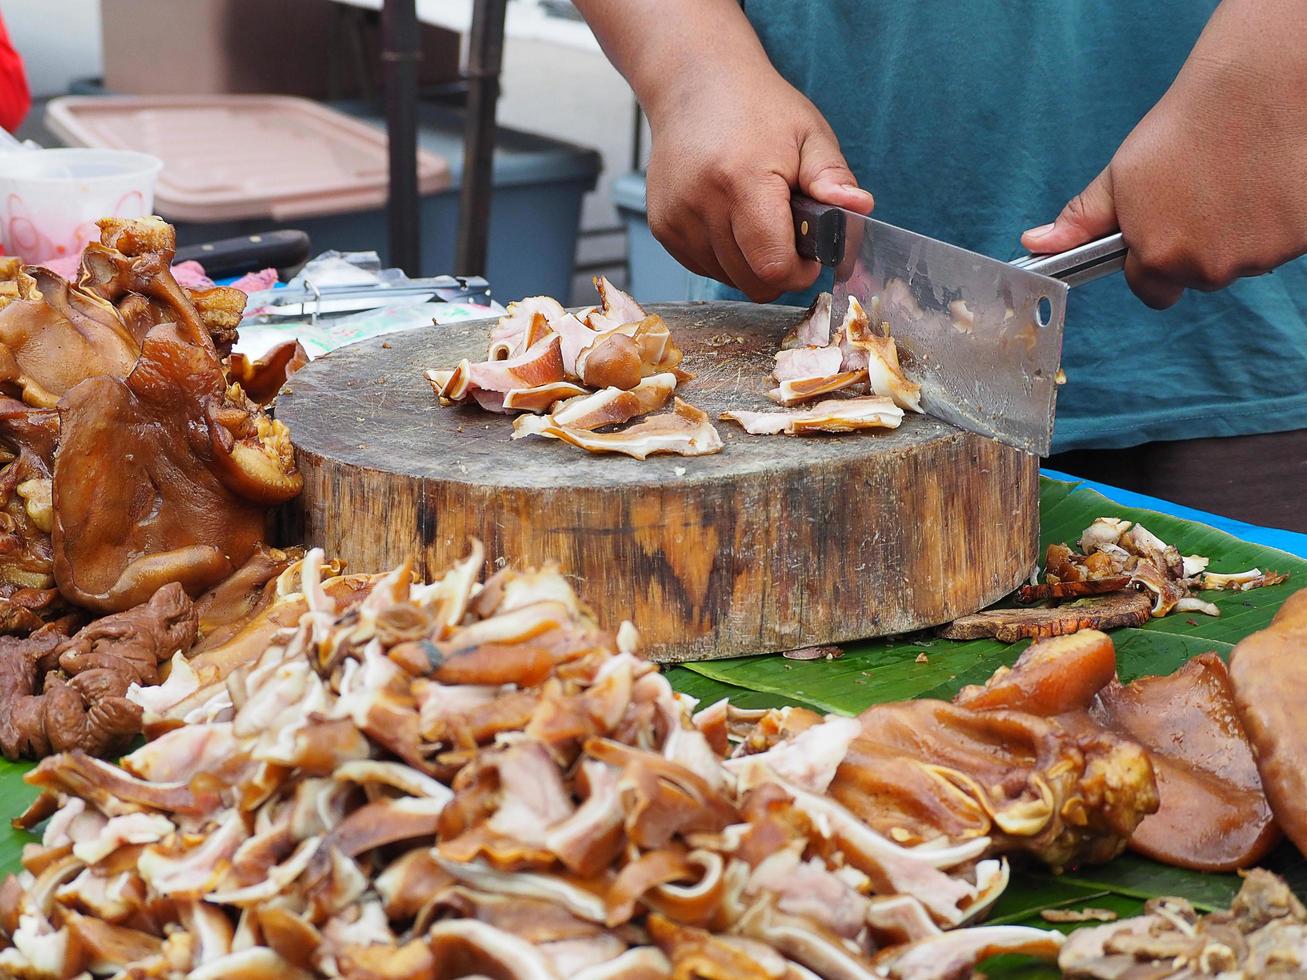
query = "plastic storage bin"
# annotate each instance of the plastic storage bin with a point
(535, 208)
(655, 277)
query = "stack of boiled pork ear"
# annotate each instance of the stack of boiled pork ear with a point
(858, 365)
(571, 374)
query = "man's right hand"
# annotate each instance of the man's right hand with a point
(720, 179)
(731, 140)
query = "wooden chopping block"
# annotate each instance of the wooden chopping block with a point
(775, 543)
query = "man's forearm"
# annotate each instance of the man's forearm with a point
(669, 49)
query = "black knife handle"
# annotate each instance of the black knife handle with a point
(233, 256)
(818, 230)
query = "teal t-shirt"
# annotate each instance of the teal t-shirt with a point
(972, 120)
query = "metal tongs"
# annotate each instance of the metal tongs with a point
(303, 298)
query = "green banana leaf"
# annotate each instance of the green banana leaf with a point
(892, 669)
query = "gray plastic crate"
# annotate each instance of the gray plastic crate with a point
(655, 276)
(535, 209)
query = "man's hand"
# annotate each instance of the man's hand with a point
(1212, 183)
(720, 178)
(731, 139)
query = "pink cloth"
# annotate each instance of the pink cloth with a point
(253, 282)
(191, 275)
(65, 266)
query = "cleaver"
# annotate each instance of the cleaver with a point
(982, 337)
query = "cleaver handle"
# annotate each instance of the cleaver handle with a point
(1081, 264)
(818, 230)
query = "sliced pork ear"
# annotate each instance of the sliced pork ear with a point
(832, 415)
(618, 308)
(658, 350)
(513, 325)
(614, 406)
(613, 361)
(539, 364)
(466, 948)
(451, 386)
(807, 362)
(574, 337)
(957, 953)
(814, 329)
(878, 355)
(794, 391)
(684, 431)
(106, 948)
(489, 401)
(542, 397)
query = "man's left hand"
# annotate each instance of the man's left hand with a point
(1212, 183)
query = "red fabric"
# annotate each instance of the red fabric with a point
(15, 99)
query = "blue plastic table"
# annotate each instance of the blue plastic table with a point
(1290, 541)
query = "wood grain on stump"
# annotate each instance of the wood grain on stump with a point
(775, 543)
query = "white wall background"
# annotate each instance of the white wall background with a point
(59, 40)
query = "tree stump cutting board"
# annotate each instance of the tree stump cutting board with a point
(775, 543)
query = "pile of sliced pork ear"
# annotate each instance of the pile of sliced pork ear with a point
(857, 364)
(468, 778)
(573, 374)
(1123, 575)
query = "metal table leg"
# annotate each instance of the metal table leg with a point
(400, 51)
(485, 58)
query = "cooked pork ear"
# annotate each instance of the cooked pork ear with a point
(226, 608)
(211, 463)
(50, 343)
(926, 769)
(613, 406)
(807, 362)
(574, 337)
(814, 329)
(513, 325)
(618, 308)
(1261, 935)
(262, 379)
(541, 397)
(832, 415)
(878, 355)
(613, 361)
(539, 364)
(684, 431)
(1212, 814)
(131, 267)
(794, 391)
(956, 954)
(1269, 674)
(1129, 608)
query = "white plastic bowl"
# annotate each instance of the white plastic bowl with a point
(51, 199)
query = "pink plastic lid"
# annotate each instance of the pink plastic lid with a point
(244, 156)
